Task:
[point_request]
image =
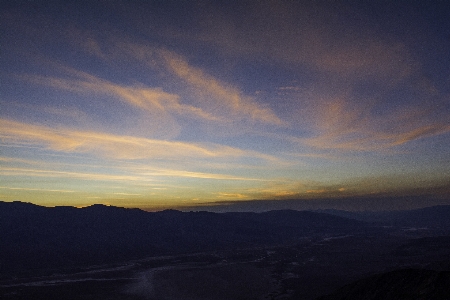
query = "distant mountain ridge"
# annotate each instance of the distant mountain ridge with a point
(33, 237)
(433, 217)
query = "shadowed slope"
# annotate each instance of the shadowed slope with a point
(400, 284)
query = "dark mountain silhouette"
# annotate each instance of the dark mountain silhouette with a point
(35, 237)
(436, 217)
(433, 217)
(408, 284)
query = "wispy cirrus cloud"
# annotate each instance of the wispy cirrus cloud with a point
(28, 172)
(171, 170)
(201, 175)
(221, 101)
(36, 189)
(156, 175)
(216, 103)
(348, 56)
(114, 146)
(285, 189)
(234, 196)
(346, 125)
(153, 100)
(222, 98)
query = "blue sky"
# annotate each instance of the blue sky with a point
(158, 104)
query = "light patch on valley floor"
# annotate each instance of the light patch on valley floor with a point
(193, 282)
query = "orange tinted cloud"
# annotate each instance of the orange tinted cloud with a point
(114, 146)
(339, 123)
(136, 177)
(222, 103)
(232, 196)
(36, 189)
(27, 172)
(202, 175)
(153, 100)
(222, 98)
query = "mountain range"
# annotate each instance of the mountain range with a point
(377, 255)
(34, 237)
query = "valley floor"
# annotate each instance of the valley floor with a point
(305, 270)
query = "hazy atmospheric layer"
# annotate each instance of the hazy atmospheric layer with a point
(159, 104)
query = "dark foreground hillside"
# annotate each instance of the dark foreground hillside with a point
(398, 285)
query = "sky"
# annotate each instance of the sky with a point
(169, 104)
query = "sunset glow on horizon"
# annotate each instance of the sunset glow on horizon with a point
(167, 104)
